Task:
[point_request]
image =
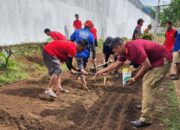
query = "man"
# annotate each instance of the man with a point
(176, 54)
(84, 55)
(137, 30)
(94, 32)
(77, 23)
(169, 36)
(54, 35)
(56, 52)
(147, 34)
(154, 61)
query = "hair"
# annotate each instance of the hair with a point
(117, 41)
(140, 20)
(83, 43)
(149, 26)
(47, 30)
(76, 14)
(170, 22)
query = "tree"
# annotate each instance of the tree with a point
(172, 12)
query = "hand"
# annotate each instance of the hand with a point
(99, 73)
(93, 61)
(131, 81)
(84, 72)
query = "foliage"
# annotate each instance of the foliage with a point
(171, 12)
(5, 54)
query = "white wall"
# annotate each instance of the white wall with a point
(25, 20)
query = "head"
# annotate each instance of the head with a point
(140, 21)
(88, 24)
(76, 16)
(169, 24)
(47, 31)
(82, 45)
(118, 47)
(149, 26)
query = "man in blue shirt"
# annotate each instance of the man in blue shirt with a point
(82, 57)
(176, 54)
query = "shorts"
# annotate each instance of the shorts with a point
(81, 63)
(52, 63)
(176, 57)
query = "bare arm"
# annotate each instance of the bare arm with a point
(143, 69)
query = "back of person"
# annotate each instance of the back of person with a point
(140, 49)
(170, 39)
(94, 32)
(83, 34)
(57, 35)
(61, 49)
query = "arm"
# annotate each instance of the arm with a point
(143, 69)
(93, 51)
(69, 64)
(113, 66)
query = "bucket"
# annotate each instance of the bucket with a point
(126, 75)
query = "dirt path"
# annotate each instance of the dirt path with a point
(104, 108)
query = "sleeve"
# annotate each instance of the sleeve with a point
(136, 53)
(72, 37)
(71, 51)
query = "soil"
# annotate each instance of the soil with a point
(109, 107)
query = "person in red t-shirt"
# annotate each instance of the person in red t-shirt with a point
(94, 32)
(170, 36)
(154, 61)
(77, 24)
(60, 51)
(54, 35)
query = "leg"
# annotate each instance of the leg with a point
(151, 81)
(178, 69)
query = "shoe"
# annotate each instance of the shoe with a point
(50, 93)
(139, 123)
(139, 107)
(174, 77)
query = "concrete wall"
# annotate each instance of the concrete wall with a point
(25, 20)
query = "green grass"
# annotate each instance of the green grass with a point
(171, 117)
(14, 73)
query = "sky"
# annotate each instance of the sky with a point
(154, 2)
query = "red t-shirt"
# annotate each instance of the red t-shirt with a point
(61, 49)
(77, 24)
(170, 39)
(94, 32)
(57, 36)
(139, 50)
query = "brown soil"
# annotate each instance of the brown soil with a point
(109, 107)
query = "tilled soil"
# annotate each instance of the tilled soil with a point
(108, 107)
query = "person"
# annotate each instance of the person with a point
(154, 61)
(77, 24)
(54, 35)
(147, 35)
(169, 36)
(107, 50)
(85, 34)
(54, 53)
(93, 30)
(137, 30)
(176, 54)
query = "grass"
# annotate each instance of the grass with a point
(170, 110)
(14, 73)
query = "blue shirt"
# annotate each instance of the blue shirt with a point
(177, 41)
(83, 34)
